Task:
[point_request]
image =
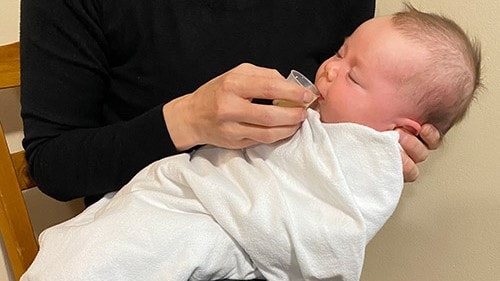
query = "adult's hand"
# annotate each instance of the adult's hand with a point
(417, 150)
(221, 111)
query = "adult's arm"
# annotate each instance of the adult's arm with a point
(73, 151)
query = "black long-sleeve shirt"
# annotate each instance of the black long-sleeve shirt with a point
(96, 73)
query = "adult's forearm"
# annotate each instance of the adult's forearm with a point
(93, 161)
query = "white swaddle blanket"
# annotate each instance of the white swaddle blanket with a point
(301, 209)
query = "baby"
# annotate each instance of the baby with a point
(300, 209)
(401, 71)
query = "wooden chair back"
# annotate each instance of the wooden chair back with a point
(15, 225)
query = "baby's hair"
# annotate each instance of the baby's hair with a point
(446, 87)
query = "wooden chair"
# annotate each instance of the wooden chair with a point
(15, 225)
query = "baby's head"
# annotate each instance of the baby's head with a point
(401, 71)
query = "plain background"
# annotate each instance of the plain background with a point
(447, 225)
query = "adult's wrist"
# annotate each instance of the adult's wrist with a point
(177, 116)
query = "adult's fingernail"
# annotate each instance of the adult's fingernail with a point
(308, 97)
(425, 131)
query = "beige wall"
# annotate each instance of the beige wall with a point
(447, 226)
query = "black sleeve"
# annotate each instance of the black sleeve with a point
(73, 151)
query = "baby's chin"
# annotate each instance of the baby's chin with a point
(323, 118)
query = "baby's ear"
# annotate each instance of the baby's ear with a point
(409, 125)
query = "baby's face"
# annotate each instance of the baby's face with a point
(360, 83)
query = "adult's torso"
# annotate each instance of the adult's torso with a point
(159, 50)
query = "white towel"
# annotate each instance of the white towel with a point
(301, 209)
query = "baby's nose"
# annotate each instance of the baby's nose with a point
(332, 70)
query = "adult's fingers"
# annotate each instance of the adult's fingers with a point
(430, 136)
(267, 115)
(253, 82)
(410, 169)
(261, 134)
(413, 147)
